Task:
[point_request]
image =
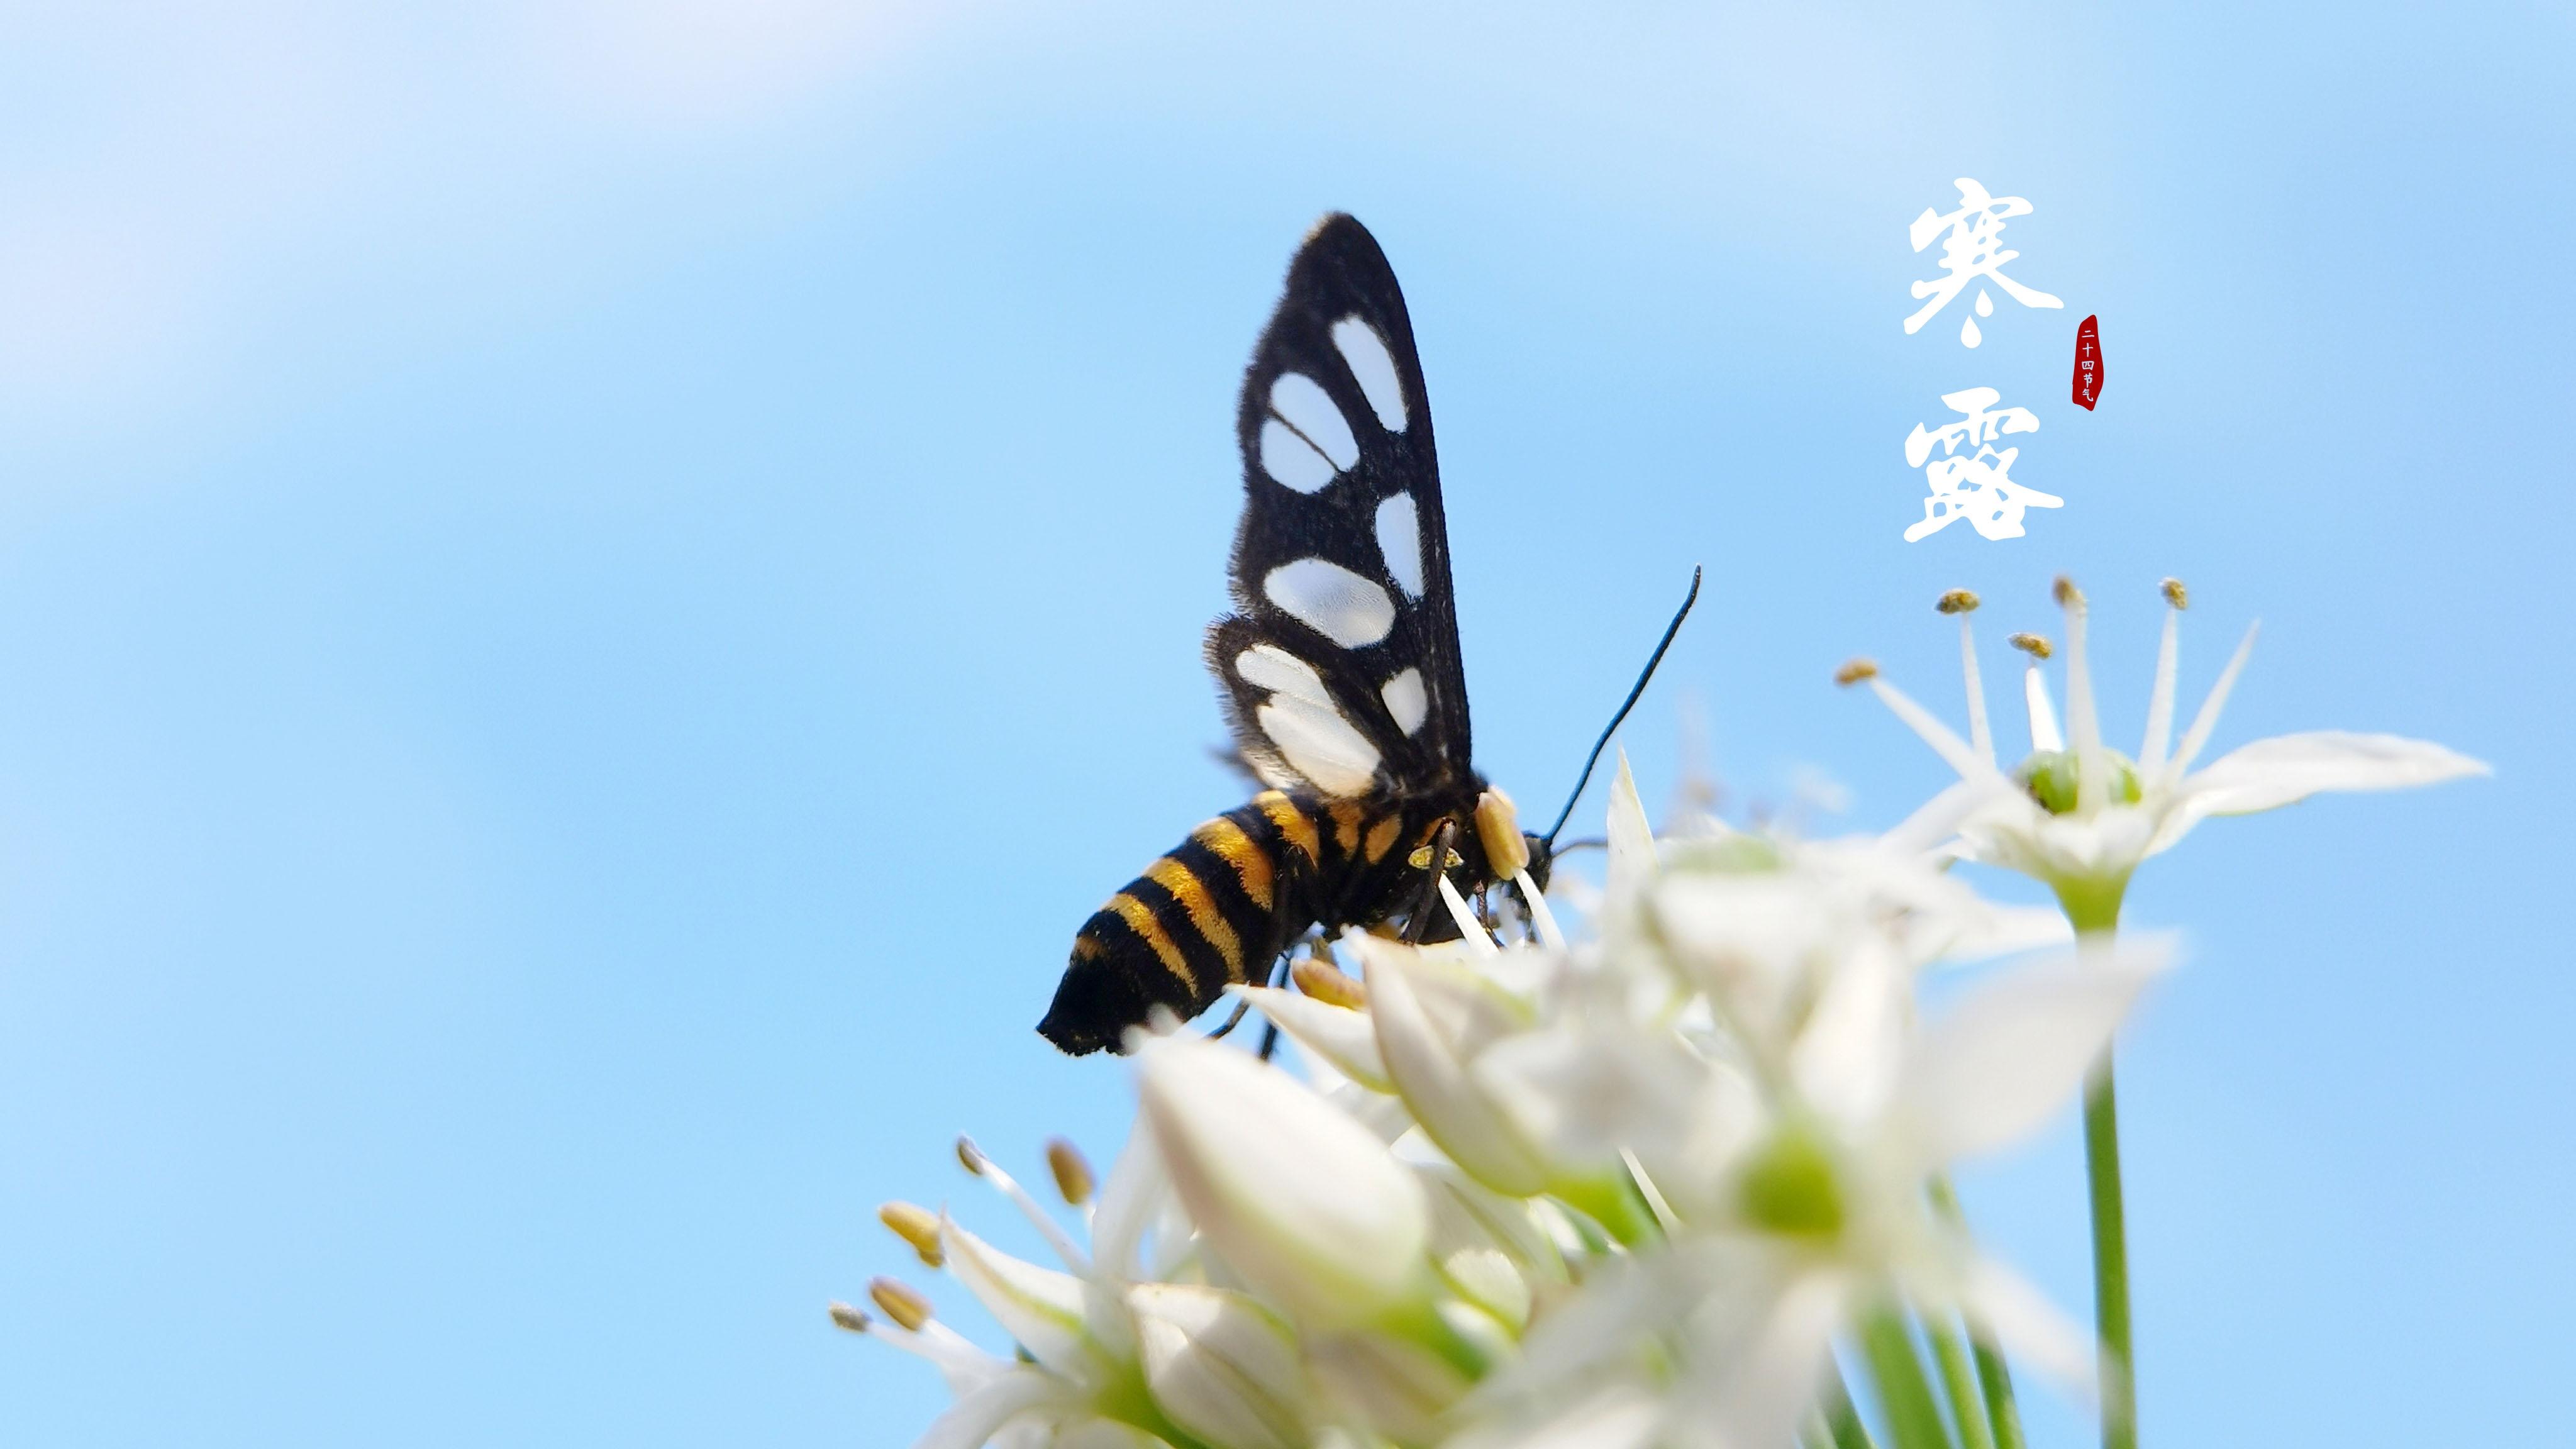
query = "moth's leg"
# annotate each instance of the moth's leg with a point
(1420, 920)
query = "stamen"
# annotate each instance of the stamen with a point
(1072, 1174)
(1653, 1195)
(1498, 826)
(949, 1351)
(2034, 645)
(2043, 720)
(1545, 919)
(1470, 929)
(1953, 750)
(2207, 719)
(896, 1300)
(1325, 982)
(2160, 701)
(917, 1226)
(989, 1170)
(1855, 671)
(1980, 735)
(1957, 601)
(2175, 594)
(2083, 724)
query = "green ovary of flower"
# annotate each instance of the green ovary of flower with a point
(1789, 1186)
(2049, 776)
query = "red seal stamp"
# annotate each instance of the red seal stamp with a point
(2088, 363)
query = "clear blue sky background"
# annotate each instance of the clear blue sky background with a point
(588, 594)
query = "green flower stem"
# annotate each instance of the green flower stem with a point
(1994, 1376)
(1815, 1433)
(2094, 910)
(1958, 1382)
(1903, 1391)
(1841, 1419)
(2110, 1259)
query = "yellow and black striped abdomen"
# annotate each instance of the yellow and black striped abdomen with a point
(1223, 904)
(1218, 908)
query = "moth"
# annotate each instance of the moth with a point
(1339, 673)
(1339, 670)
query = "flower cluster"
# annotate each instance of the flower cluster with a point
(1625, 1191)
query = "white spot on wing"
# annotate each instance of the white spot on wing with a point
(1332, 601)
(1303, 404)
(1287, 459)
(1319, 744)
(1267, 666)
(1399, 538)
(1405, 700)
(1374, 366)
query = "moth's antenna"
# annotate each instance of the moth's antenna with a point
(1626, 705)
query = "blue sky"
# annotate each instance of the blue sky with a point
(588, 595)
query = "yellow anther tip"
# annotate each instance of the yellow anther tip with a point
(2033, 645)
(1958, 601)
(917, 1226)
(1072, 1173)
(2175, 594)
(1855, 671)
(848, 1319)
(1326, 983)
(897, 1300)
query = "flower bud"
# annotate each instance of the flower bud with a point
(1293, 1194)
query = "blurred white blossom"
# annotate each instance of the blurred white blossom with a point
(2080, 815)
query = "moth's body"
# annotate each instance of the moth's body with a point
(1225, 903)
(1339, 670)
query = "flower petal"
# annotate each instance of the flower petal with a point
(1401, 1389)
(2286, 768)
(2026, 1325)
(1222, 1366)
(1345, 1039)
(1137, 1190)
(2017, 1045)
(980, 1415)
(1431, 1021)
(1039, 1307)
(2197, 737)
(1301, 1201)
(1631, 835)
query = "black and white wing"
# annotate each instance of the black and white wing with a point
(1341, 667)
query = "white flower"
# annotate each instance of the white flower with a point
(1110, 1359)
(1293, 1194)
(2081, 816)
